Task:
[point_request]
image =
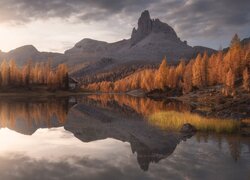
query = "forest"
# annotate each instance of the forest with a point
(12, 76)
(225, 67)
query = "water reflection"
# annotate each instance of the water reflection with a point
(143, 106)
(107, 137)
(25, 116)
(92, 120)
(57, 154)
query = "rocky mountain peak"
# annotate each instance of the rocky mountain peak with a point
(146, 25)
(145, 15)
(25, 49)
(144, 28)
(23, 53)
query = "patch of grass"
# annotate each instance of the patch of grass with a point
(172, 120)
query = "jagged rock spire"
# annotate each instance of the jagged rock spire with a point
(146, 25)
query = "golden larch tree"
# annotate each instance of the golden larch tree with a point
(246, 80)
(196, 72)
(229, 84)
(161, 76)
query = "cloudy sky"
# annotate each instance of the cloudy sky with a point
(56, 25)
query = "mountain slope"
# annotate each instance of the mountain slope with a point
(28, 52)
(151, 41)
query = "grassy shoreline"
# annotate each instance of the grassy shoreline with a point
(171, 120)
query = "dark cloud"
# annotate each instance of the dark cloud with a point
(208, 16)
(27, 10)
(209, 21)
(191, 18)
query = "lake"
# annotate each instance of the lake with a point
(108, 136)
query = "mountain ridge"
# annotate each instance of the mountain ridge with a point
(151, 41)
(148, 44)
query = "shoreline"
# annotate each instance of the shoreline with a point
(205, 109)
(204, 102)
(41, 94)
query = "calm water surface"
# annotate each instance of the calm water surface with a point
(109, 137)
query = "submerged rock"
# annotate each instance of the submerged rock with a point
(245, 131)
(188, 129)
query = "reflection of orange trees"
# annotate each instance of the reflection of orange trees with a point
(32, 113)
(144, 106)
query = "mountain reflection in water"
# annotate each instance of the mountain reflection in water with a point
(108, 125)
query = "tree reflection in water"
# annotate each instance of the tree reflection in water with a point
(97, 117)
(23, 115)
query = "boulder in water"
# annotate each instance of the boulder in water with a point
(188, 129)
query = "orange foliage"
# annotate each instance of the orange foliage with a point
(246, 80)
(40, 73)
(220, 68)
